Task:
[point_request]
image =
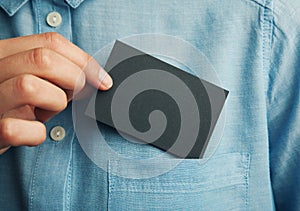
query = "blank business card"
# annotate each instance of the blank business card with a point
(158, 103)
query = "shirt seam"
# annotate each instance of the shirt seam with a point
(267, 39)
(11, 11)
(68, 186)
(38, 15)
(32, 182)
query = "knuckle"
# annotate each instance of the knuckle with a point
(52, 39)
(26, 86)
(88, 59)
(40, 57)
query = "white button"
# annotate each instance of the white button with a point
(54, 19)
(57, 133)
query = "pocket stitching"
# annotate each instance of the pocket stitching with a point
(118, 184)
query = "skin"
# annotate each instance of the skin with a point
(39, 75)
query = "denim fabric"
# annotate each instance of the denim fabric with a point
(254, 47)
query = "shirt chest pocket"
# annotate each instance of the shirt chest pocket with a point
(221, 183)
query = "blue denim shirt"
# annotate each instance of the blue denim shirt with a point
(254, 46)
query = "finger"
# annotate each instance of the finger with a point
(31, 90)
(24, 112)
(44, 63)
(18, 132)
(28, 112)
(96, 75)
(51, 40)
(45, 115)
(86, 92)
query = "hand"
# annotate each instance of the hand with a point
(38, 75)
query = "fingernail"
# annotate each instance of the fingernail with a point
(105, 80)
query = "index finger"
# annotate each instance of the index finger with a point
(95, 74)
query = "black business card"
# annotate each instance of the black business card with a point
(158, 103)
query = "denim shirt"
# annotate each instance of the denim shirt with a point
(254, 47)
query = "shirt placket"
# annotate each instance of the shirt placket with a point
(53, 16)
(51, 177)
